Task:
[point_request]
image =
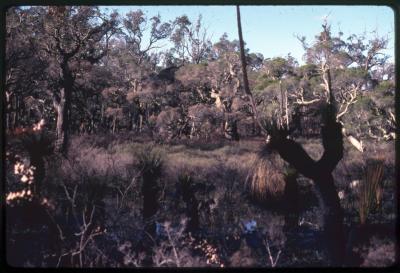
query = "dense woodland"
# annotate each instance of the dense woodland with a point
(125, 152)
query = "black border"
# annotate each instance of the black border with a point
(395, 5)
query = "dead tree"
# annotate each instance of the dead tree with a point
(319, 171)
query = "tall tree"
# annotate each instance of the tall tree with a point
(191, 41)
(72, 37)
(24, 69)
(136, 26)
(179, 37)
(346, 68)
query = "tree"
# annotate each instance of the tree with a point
(191, 42)
(319, 171)
(198, 46)
(135, 25)
(367, 53)
(23, 69)
(73, 37)
(279, 67)
(345, 67)
(179, 37)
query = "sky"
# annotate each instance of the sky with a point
(272, 30)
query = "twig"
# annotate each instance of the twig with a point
(271, 259)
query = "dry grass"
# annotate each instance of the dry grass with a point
(370, 187)
(202, 163)
(96, 161)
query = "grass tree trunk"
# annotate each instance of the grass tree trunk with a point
(150, 194)
(15, 120)
(191, 202)
(150, 162)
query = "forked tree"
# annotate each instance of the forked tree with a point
(71, 41)
(320, 171)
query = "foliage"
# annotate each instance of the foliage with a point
(157, 134)
(379, 254)
(267, 180)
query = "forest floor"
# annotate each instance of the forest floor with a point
(238, 230)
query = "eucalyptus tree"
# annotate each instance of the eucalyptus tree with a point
(179, 38)
(191, 41)
(142, 37)
(215, 82)
(23, 68)
(72, 39)
(346, 68)
(137, 27)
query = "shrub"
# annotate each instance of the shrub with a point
(169, 124)
(243, 257)
(380, 253)
(275, 239)
(174, 249)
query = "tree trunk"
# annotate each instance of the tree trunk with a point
(114, 124)
(230, 130)
(15, 119)
(192, 130)
(321, 173)
(102, 122)
(140, 122)
(62, 104)
(8, 106)
(61, 130)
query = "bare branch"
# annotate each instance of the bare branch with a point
(348, 100)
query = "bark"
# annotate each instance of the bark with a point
(9, 110)
(62, 104)
(192, 130)
(140, 122)
(15, 119)
(102, 114)
(114, 124)
(230, 130)
(245, 79)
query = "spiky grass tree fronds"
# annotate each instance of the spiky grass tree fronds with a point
(150, 160)
(185, 183)
(266, 180)
(370, 189)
